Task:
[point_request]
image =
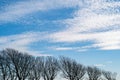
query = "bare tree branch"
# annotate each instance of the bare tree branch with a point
(109, 75)
(36, 71)
(93, 73)
(71, 69)
(51, 68)
(21, 63)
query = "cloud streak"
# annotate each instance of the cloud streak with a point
(107, 63)
(78, 49)
(99, 65)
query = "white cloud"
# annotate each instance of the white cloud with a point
(62, 48)
(105, 64)
(20, 9)
(103, 40)
(82, 50)
(22, 42)
(78, 49)
(91, 22)
(99, 65)
(95, 23)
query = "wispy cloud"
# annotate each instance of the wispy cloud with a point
(77, 49)
(103, 40)
(22, 42)
(18, 10)
(62, 48)
(95, 23)
(99, 65)
(105, 64)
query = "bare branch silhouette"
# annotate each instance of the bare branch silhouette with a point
(51, 68)
(21, 63)
(15, 65)
(71, 69)
(109, 75)
(93, 73)
(36, 71)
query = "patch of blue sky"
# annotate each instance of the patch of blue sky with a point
(48, 45)
(10, 29)
(13, 28)
(54, 14)
(4, 3)
(40, 21)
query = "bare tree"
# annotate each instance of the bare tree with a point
(109, 75)
(71, 69)
(3, 68)
(15, 65)
(93, 73)
(21, 63)
(6, 67)
(50, 69)
(36, 71)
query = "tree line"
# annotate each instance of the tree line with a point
(15, 65)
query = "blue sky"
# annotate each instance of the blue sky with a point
(85, 30)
